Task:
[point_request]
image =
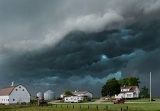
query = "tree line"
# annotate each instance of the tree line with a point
(113, 87)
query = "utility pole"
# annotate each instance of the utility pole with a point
(150, 87)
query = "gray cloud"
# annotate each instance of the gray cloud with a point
(51, 43)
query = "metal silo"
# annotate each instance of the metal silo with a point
(49, 95)
(40, 95)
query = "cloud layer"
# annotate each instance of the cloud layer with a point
(52, 44)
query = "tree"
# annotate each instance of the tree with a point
(133, 81)
(104, 90)
(130, 81)
(67, 93)
(123, 82)
(144, 92)
(111, 88)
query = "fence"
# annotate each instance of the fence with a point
(90, 107)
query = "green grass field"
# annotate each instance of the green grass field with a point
(84, 107)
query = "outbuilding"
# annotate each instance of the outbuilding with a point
(49, 95)
(14, 94)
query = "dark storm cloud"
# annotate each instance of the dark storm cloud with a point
(51, 43)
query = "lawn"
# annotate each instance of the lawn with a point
(144, 100)
(84, 107)
(139, 100)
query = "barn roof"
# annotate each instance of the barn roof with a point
(7, 90)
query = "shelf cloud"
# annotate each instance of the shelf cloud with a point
(61, 45)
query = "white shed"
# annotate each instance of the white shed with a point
(14, 94)
(49, 95)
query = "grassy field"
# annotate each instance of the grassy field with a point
(84, 107)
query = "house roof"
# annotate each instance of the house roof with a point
(131, 88)
(80, 92)
(7, 90)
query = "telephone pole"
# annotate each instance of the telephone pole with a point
(150, 87)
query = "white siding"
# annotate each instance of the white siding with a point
(89, 95)
(121, 95)
(4, 99)
(134, 94)
(40, 95)
(73, 99)
(86, 94)
(49, 95)
(19, 95)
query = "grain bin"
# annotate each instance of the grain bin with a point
(49, 95)
(40, 95)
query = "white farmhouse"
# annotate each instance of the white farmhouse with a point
(128, 92)
(14, 94)
(73, 99)
(84, 94)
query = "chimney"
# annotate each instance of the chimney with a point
(12, 83)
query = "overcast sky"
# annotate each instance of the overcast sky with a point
(78, 44)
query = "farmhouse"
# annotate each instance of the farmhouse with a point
(128, 92)
(14, 94)
(84, 94)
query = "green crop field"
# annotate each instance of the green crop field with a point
(84, 107)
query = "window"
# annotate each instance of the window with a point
(16, 89)
(13, 99)
(19, 86)
(23, 90)
(129, 95)
(8, 99)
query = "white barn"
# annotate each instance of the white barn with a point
(128, 92)
(14, 94)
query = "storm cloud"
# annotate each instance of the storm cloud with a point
(63, 44)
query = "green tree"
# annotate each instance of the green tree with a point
(104, 90)
(144, 92)
(67, 93)
(123, 81)
(133, 81)
(130, 81)
(111, 88)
